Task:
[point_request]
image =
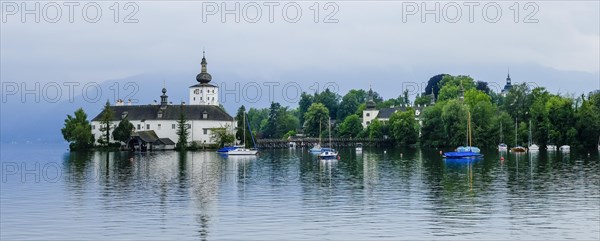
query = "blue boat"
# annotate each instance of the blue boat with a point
(468, 151)
(461, 154)
(227, 148)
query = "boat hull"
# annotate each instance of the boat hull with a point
(461, 155)
(240, 152)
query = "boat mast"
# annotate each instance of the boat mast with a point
(320, 120)
(329, 130)
(469, 131)
(516, 127)
(501, 132)
(529, 133)
(244, 129)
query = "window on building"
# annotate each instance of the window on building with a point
(139, 127)
(158, 127)
(147, 126)
(200, 98)
(196, 91)
(368, 114)
(194, 98)
(173, 126)
(204, 115)
(189, 126)
(368, 122)
(200, 91)
(93, 127)
(205, 131)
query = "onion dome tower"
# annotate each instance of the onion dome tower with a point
(203, 77)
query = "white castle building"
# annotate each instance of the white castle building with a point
(156, 124)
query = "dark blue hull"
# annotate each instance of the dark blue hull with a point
(459, 155)
(226, 149)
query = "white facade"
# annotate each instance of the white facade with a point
(204, 94)
(199, 129)
(368, 116)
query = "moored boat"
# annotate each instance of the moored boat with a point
(359, 147)
(517, 148)
(468, 151)
(242, 151)
(551, 147)
(534, 147)
(328, 153)
(502, 147)
(565, 148)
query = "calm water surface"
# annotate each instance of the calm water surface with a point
(48, 193)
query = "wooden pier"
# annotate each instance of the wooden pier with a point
(310, 142)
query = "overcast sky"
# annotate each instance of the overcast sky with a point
(378, 43)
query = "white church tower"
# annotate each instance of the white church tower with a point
(204, 93)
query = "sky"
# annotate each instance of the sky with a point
(386, 45)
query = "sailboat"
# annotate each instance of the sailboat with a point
(465, 152)
(532, 146)
(502, 146)
(317, 148)
(243, 150)
(328, 153)
(517, 148)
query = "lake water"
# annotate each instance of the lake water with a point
(49, 193)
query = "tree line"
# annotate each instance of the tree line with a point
(495, 117)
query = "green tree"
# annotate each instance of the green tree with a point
(561, 119)
(517, 102)
(588, 122)
(78, 131)
(221, 136)
(450, 86)
(431, 133)
(454, 120)
(239, 117)
(123, 131)
(183, 130)
(375, 130)
(270, 130)
(288, 121)
(351, 127)
(433, 85)
(330, 100)
(423, 100)
(257, 119)
(317, 115)
(105, 119)
(404, 127)
(306, 101)
(350, 103)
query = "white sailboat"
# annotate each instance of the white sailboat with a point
(317, 148)
(502, 146)
(328, 153)
(359, 147)
(565, 148)
(244, 150)
(532, 146)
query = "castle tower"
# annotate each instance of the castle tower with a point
(204, 93)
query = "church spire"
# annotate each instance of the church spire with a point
(370, 101)
(203, 77)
